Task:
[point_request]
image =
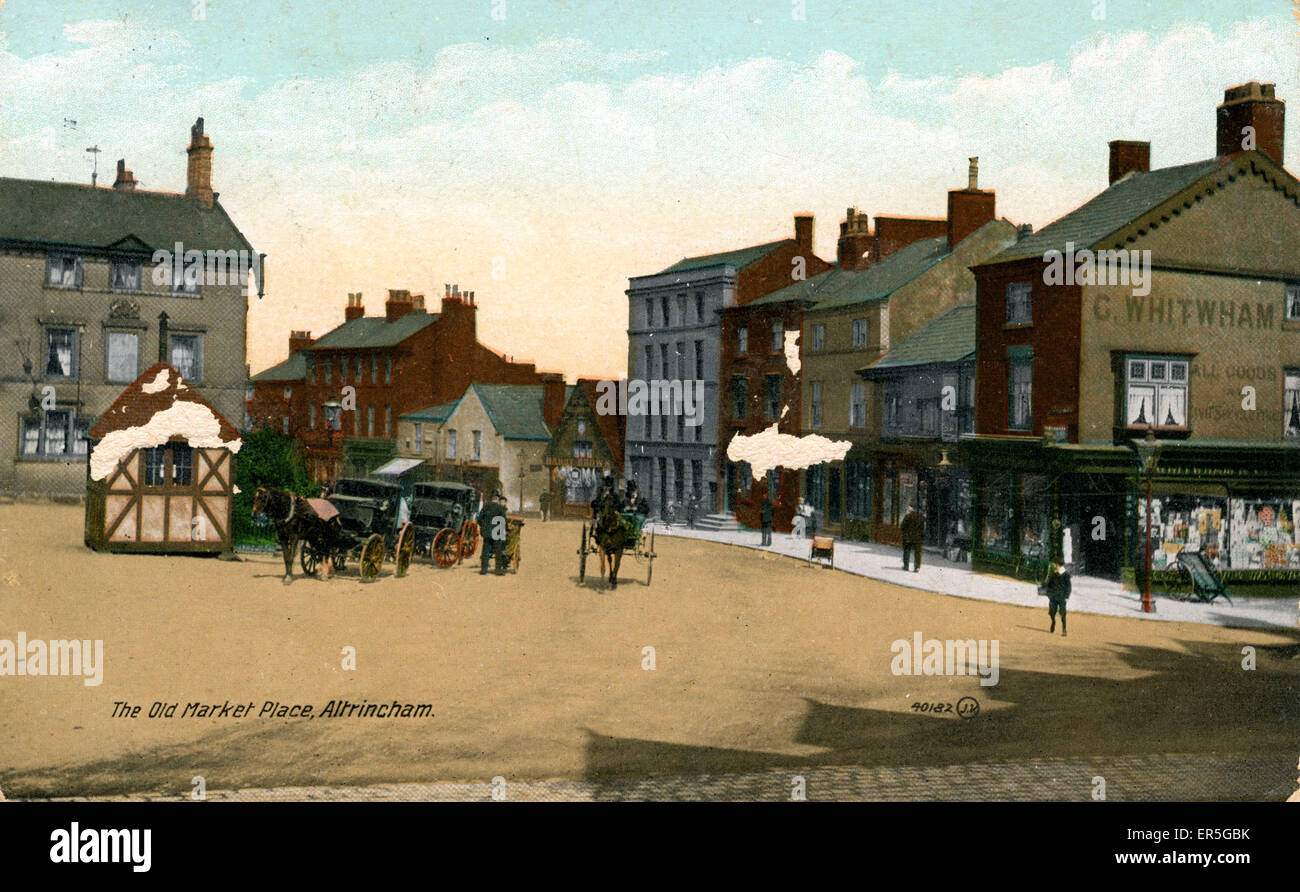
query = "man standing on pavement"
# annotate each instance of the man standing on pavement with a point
(913, 530)
(544, 500)
(494, 533)
(766, 518)
(1057, 589)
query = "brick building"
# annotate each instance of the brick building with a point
(673, 335)
(371, 370)
(88, 304)
(1202, 352)
(889, 281)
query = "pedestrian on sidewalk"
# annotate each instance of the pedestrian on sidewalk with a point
(766, 518)
(913, 530)
(1057, 589)
(544, 501)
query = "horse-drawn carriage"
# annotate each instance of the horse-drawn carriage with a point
(442, 514)
(360, 521)
(368, 528)
(613, 531)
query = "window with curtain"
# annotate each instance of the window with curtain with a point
(183, 462)
(63, 270)
(858, 405)
(187, 354)
(155, 465)
(773, 397)
(61, 352)
(1020, 391)
(478, 445)
(126, 275)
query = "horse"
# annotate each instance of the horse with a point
(293, 518)
(611, 535)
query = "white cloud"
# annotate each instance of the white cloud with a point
(581, 167)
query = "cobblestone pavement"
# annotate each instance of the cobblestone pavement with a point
(1089, 594)
(1146, 778)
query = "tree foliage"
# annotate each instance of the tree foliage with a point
(267, 458)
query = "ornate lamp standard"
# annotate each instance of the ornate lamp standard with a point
(522, 474)
(1147, 451)
(334, 424)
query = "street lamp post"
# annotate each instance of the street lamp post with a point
(333, 423)
(1148, 454)
(521, 481)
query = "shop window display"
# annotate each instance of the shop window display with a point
(1262, 534)
(1033, 516)
(997, 512)
(1233, 534)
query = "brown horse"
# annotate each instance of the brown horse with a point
(294, 521)
(611, 535)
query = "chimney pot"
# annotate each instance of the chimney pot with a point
(973, 177)
(125, 179)
(1128, 156)
(1256, 106)
(198, 173)
(803, 231)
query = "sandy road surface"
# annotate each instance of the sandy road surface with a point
(761, 664)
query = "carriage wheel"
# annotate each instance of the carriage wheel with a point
(468, 539)
(372, 556)
(405, 548)
(447, 548)
(340, 560)
(582, 555)
(309, 557)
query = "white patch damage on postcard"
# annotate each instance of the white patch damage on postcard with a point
(195, 422)
(792, 351)
(770, 449)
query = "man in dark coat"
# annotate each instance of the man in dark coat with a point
(493, 532)
(766, 518)
(913, 530)
(1057, 589)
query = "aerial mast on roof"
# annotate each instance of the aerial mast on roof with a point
(94, 174)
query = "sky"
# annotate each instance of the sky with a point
(541, 153)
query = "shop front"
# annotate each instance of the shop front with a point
(927, 478)
(1236, 504)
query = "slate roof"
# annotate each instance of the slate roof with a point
(432, 414)
(840, 287)
(374, 331)
(1122, 203)
(134, 406)
(514, 409)
(79, 216)
(292, 369)
(740, 258)
(947, 338)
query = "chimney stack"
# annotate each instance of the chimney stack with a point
(162, 337)
(125, 179)
(354, 310)
(803, 233)
(853, 250)
(198, 174)
(1128, 156)
(398, 304)
(299, 340)
(1256, 106)
(969, 208)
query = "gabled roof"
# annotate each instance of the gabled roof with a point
(432, 414)
(740, 258)
(160, 387)
(80, 216)
(611, 425)
(1122, 203)
(840, 287)
(374, 331)
(292, 369)
(945, 339)
(514, 409)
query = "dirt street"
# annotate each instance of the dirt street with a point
(759, 662)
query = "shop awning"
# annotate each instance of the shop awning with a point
(398, 467)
